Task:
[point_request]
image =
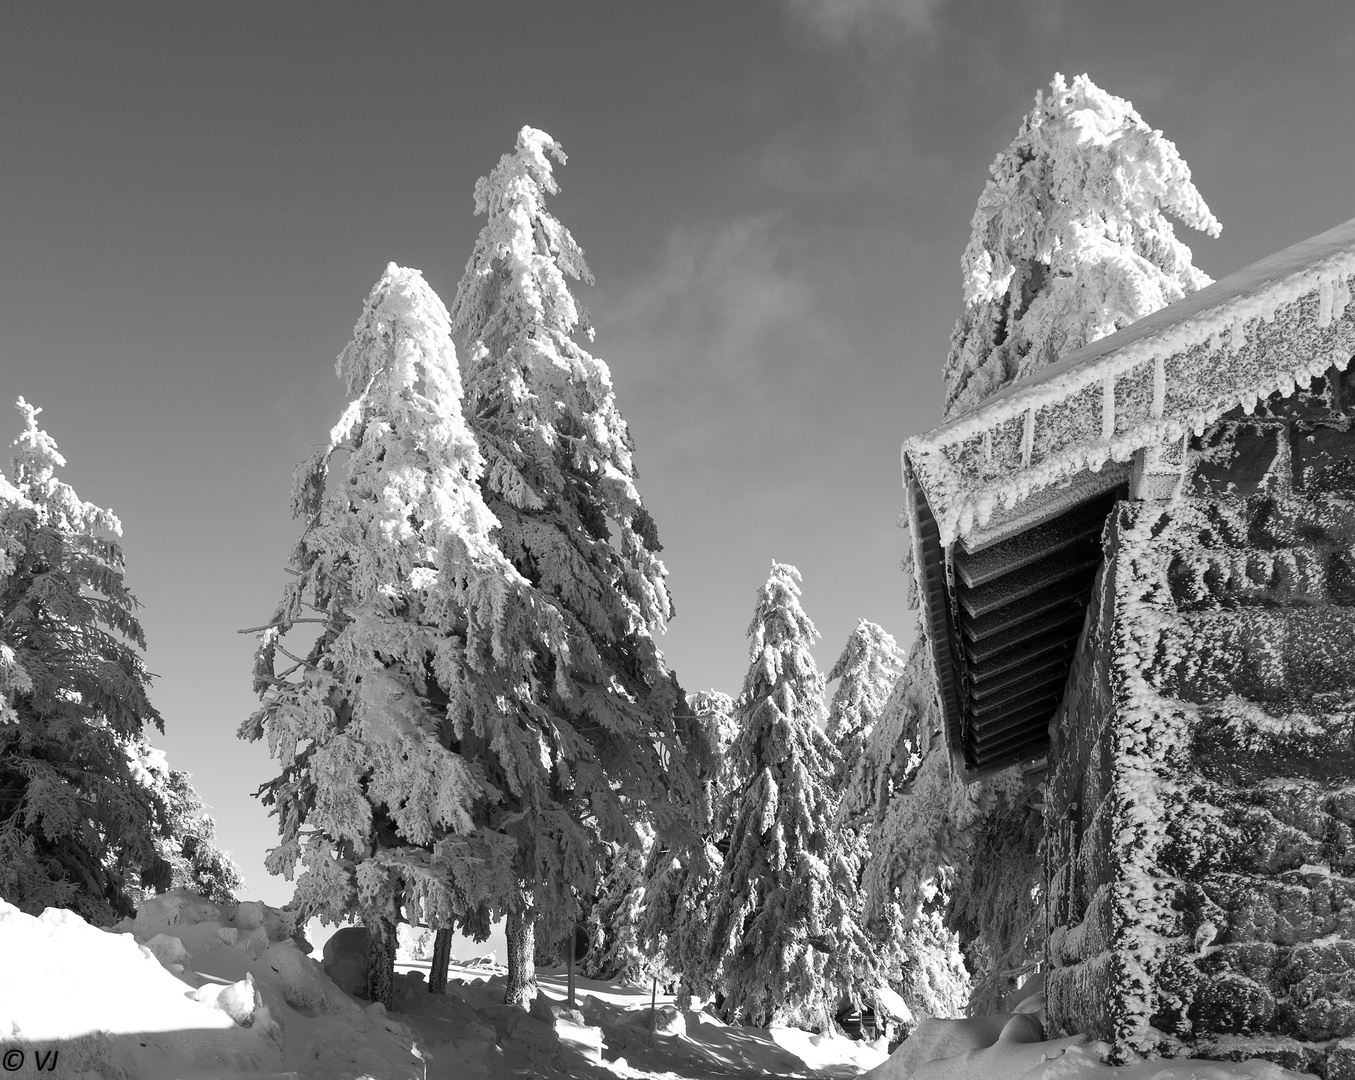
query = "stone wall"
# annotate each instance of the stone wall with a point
(1200, 817)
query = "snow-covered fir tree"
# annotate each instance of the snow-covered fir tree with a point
(398, 743)
(77, 829)
(716, 715)
(866, 672)
(785, 929)
(679, 885)
(923, 963)
(187, 838)
(614, 925)
(1071, 239)
(918, 955)
(718, 774)
(560, 478)
(940, 848)
(679, 880)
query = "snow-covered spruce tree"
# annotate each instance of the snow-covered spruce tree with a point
(1070, 240)
(716, 714)
(967, 853)
(918, 956)
(76, 828)
(187, 839)
(615, 946)
(679, 880)
(395, 730)
(560, 479)
(923, 963)
(784, 918)
(868, 668)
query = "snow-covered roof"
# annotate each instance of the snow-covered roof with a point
(1279, 322)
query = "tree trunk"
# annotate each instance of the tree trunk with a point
(569, 1000)
(380, 960)
(442, 956)
(521, 933)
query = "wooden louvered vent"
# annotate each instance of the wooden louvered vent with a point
(1004, 622)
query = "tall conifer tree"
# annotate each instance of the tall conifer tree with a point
(615, 946)
(393, 730)
(680, 879)
(560, 479)
(77, 829)
(785, 918)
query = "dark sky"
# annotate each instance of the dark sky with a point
(773, 197)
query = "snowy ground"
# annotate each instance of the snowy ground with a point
(196, 991)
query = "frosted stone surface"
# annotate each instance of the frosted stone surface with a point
(1200, 819)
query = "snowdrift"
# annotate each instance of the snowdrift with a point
(188, 989)
(1011, 1046)
(199, 991)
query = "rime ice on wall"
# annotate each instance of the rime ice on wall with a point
(1200, 819)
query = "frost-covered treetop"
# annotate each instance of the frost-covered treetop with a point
(400, 370)
(868, 668)
(411, 505)
(716, 710)
(529, 243)
(779, 639)
(33, 468)
(543, 409)
(1071, 239)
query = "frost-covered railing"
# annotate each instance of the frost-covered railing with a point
(1280, 322)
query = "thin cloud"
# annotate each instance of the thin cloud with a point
(724, 331)
(845, 20)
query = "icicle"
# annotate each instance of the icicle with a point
(1159, 386)
(1216, 341)
(1028, 439)
(1108, 408)
(1324, 301)
(1341, 296)
(1237, 336)
(987, 446)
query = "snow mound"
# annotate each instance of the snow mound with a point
(1011, 1046)
(77, 980)
(188, 989)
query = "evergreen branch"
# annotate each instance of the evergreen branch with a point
(274, 625)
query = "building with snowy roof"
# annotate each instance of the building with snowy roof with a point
(1137, 567)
